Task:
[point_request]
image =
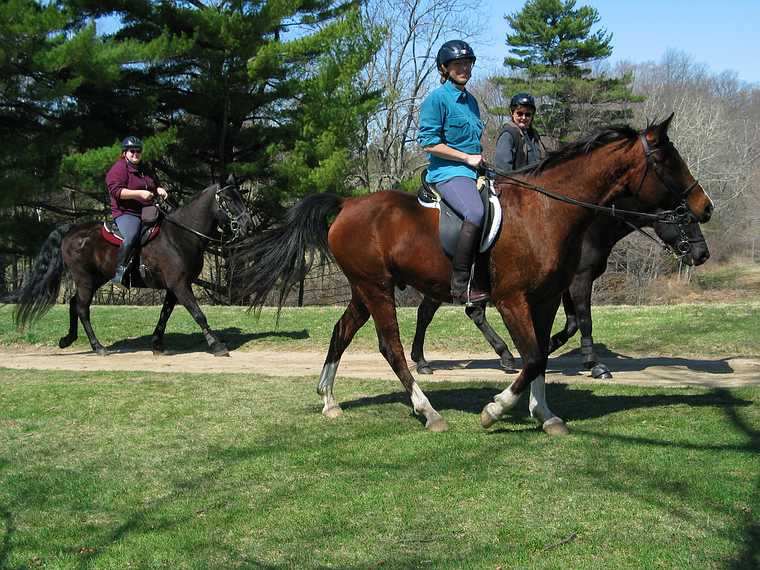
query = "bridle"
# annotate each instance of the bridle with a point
(233, 220)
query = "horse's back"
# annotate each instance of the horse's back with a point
(384, 232)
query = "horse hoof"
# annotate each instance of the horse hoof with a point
(424, 369)
(158, 351)
(100, 351)
(600, 371)
(555, 427)
(333, 412)
(437, 425)
(486, 419)
(65, 342)
(508, 365)
(220, 350)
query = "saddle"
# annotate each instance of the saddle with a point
(450, 222)
(109, 231)
(137, 275)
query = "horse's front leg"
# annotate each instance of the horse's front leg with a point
(186, 297)
(529, 329)
(157, 342)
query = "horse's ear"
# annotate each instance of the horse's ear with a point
(658, 132)
(231, 180)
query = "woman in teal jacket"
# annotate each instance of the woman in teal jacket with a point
(449, 130)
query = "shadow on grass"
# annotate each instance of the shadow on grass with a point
(570, 403)
(233, 337)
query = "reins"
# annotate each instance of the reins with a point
(231, 218)
(666, 216)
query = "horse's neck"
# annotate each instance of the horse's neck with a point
(597, 178)
(198, 214)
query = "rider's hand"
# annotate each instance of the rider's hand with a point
(146, 196)
(162, 193)
(474, 160)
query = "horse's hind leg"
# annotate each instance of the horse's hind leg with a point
(354, 317)
(477, 314)
(571, 323)
(425, 313)
(382, 306)
(581, 295)
(185, 296)
(157, 342)
(84, 298)
(73, 324)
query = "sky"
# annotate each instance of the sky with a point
(722, 34)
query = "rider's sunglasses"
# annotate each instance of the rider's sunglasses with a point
(135, 150)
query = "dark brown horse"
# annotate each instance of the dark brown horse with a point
(173, 259)
(682, 235)
(386, 240)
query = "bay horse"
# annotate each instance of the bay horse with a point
(681, 235)
(386, 239)
(174, 259)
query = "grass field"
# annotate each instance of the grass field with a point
(148, 470)
(668, 330)
(136, 470)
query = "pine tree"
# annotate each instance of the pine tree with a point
(216, 88)
(553, 46)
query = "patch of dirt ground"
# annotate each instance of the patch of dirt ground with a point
(457, 367)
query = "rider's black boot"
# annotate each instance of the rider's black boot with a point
(122, 262)
(461, 292)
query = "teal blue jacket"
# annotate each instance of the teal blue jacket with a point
(451, 117)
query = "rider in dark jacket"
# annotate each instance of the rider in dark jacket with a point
(518, 143)
(131, 187)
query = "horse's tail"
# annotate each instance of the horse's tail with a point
(280, 255)
(41, 285)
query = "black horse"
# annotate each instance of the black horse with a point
(171, 261)
(682, 236)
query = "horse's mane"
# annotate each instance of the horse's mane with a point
(195, 197)
(582, 146)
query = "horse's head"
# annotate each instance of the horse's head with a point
(682, 234)
(665, 179)
(231, 212)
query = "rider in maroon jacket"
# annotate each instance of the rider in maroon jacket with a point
(131, 187)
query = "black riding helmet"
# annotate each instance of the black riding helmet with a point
(452, 50)
(131, 142)
(522, 100)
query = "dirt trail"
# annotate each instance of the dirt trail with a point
(659, 371)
